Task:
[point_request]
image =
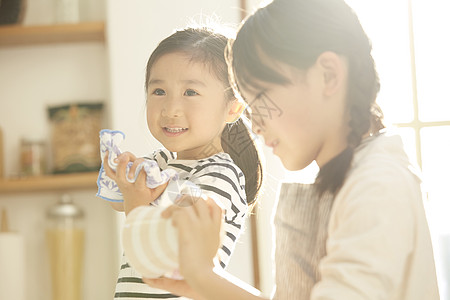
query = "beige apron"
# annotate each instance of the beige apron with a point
(301, 227)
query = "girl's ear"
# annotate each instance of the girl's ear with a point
(235, 111)
(334, 72)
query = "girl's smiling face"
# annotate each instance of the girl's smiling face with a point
(186, 106)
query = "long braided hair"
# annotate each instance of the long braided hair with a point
(296, 33)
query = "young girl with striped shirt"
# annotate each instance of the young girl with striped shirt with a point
(193, 113)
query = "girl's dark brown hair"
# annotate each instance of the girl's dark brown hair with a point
(204, 45)
(296, 32)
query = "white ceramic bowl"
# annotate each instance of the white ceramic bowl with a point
(150, 242)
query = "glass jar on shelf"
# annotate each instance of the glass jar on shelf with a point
(65, 241)
(32, 157)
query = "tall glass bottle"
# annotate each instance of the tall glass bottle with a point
(65, 240)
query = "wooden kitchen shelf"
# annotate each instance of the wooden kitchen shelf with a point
(15, 35)
(49, 183)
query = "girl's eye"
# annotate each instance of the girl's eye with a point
(159, 92)
(190, 93)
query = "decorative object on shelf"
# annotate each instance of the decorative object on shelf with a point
(65, 240)
(11, 11)
(32, 157)
(67, 11)
(12, 262)
(74, 137)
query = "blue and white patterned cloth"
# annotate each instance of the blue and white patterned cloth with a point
(108, 189)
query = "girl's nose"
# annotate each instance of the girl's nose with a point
(172, 108)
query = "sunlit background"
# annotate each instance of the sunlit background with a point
(410, 40)
(411, 46)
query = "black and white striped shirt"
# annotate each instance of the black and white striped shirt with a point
(219, 178)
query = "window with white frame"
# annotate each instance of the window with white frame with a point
(411, 48)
